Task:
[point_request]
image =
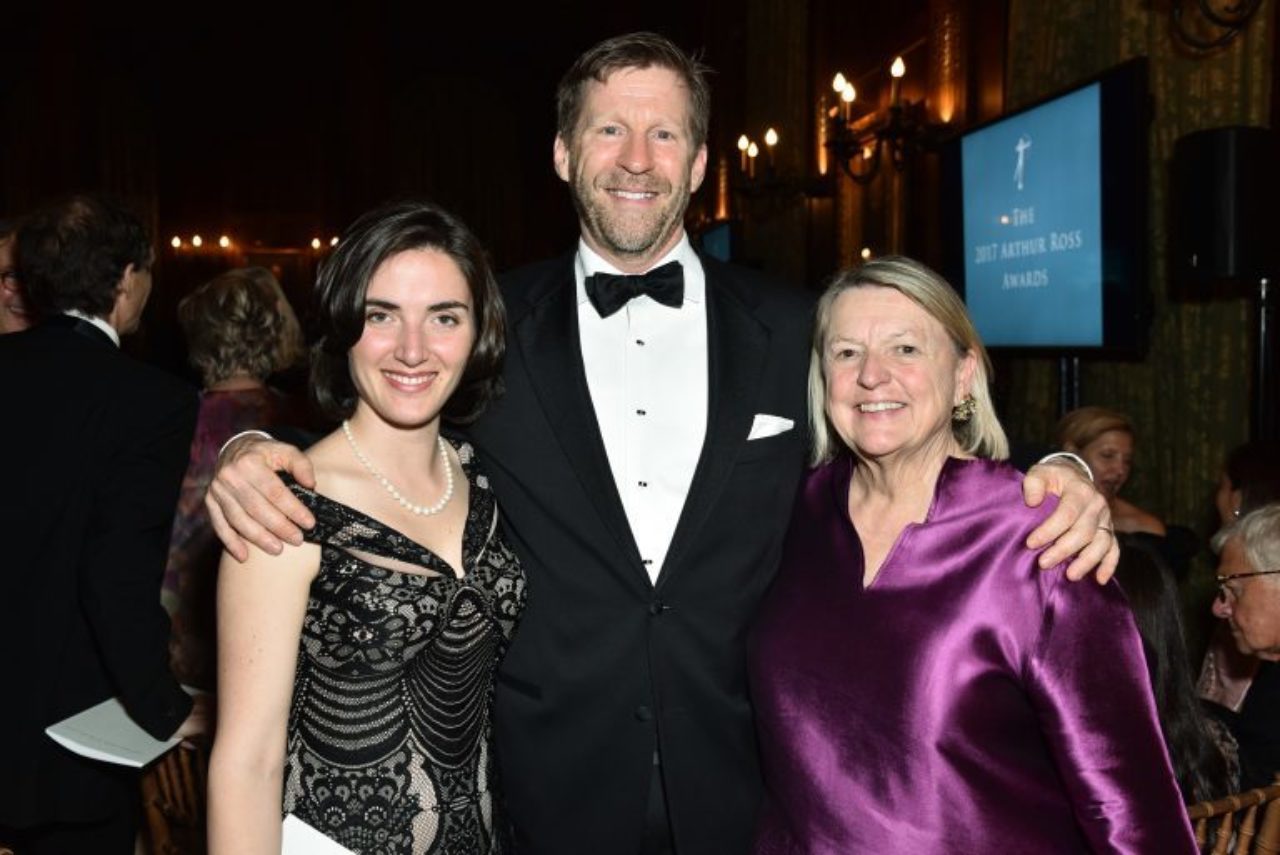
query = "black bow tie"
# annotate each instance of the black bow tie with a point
(609, 292)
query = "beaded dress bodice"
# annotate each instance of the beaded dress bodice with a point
(390, 745)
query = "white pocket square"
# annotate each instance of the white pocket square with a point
(767, 425)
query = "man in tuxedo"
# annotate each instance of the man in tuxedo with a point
(645, 455)
(97, 443)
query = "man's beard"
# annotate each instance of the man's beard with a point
(636, 233)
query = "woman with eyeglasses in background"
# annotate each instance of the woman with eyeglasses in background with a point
(1249, 600)
(1250, 479)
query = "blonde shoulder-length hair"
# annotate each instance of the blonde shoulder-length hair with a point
(982, 435)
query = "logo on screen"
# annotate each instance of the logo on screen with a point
(1020, 169)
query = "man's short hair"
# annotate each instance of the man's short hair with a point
(634, 50)
(72, 254)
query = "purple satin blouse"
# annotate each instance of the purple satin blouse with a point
(965, 702)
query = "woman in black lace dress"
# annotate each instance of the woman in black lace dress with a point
(356, 670)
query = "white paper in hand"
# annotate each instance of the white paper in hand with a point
(298, 838)
(105, 732)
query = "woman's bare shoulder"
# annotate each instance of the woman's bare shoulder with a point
(1131, 519)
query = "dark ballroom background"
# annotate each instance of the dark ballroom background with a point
(275, 125)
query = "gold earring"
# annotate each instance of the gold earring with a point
(964, 410)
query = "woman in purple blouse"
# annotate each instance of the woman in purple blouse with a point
(920, 684)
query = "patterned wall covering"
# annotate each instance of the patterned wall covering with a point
(1190, 397)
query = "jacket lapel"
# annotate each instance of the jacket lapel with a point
(552, 352)
(737, 344)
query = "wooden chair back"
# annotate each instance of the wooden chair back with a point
(173, 800)
(1247, 823)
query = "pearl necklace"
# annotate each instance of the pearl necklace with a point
(420, 510)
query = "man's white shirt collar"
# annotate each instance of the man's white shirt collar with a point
(97, 322)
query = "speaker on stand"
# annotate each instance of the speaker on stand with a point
(1226, 195)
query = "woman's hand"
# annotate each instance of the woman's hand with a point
(247, 501)
(1080, 526)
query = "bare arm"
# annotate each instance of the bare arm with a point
(1080, 526)
(247, 501)
(261, 605)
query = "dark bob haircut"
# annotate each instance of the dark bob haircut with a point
(634, 50)
(1152, 592)
(1254, 470)
(343, 281)
(72, 254)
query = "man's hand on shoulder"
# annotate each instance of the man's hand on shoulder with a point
(1081, 524)
(247, 501)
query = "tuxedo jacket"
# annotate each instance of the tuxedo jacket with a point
(606, 667)
(95, 444)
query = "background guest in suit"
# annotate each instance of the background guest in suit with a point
(921, 684)
(96, 454)
(14, 313)
(239, 330)
(1249, 600)
(646, 453)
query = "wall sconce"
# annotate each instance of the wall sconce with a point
(860, 145)
(197, 245)
(227, 246)
(1211, 28)
(757, 178)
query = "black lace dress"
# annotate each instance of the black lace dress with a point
(390, 742)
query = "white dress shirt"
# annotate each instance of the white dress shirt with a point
(646, 368)
(97, 322)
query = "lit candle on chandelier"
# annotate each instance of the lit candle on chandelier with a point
(743, 144)
(770, 140)
(753, 151)
(896, 72)
(847, 96)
